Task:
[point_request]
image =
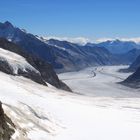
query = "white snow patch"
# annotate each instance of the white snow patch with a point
(76, 40)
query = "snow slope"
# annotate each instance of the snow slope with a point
(46, 113)
(15, 61)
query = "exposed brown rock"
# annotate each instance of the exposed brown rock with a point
(6, 126)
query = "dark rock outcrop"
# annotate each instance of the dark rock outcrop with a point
(6, 126)
(47, 72)
(133, 80)
(130, 56)
(135, 65)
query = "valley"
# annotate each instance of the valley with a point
(94, 80)
(69, 70)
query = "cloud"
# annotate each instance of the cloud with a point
(136, 39)
(104, 39)
(77, 40)
(84, 40)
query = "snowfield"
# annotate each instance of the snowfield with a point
(100, 109)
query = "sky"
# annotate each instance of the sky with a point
(74, 18)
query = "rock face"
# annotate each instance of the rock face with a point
(75, 57)
(47, 72)
(133, 80)
(130, 56)
(6, 126)
(15, 61)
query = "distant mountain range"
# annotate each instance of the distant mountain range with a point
(75, 56)
(95, 54)
(92, 55)
(62, 55)
(66, 56)
(117, 46)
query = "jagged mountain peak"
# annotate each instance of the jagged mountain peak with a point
(118, 46)
(6, 24)
(117, 41)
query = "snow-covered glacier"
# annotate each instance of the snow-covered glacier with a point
(99, 108)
